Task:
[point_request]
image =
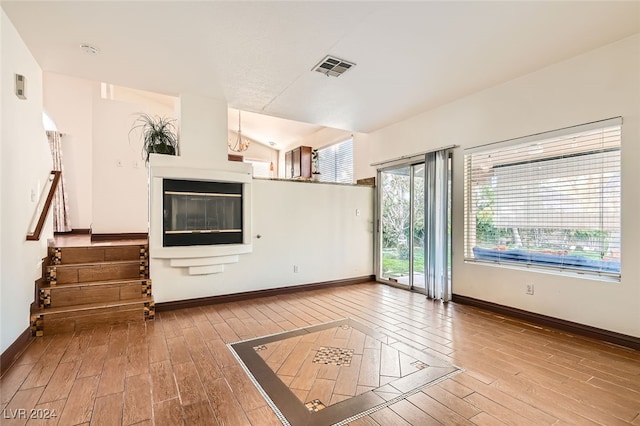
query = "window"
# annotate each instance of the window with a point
(550, 200)
(261, 169)
(335, 162)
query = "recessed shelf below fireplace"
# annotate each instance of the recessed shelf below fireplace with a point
(203, 261)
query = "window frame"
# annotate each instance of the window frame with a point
(532, 263)
(336, 170)
(260, 162)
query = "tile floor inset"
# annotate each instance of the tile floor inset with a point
(328, 373)
(315, 405)
(333, 356)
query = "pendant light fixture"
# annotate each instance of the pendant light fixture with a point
(240, 145)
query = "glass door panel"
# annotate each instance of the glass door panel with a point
(418, 226)
(395, 225)
(414, 225)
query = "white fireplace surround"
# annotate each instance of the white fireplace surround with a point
(196, 260)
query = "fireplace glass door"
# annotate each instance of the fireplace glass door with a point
(202, 213)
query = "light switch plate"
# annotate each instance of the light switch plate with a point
(21, 84)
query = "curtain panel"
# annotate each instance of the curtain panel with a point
(437, 188)
(60, 206)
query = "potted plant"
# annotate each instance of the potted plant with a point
(315, 158)
(158, 135)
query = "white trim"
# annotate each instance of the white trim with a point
(614, 121)
(565, 272)
(203, 194)
(407, 159)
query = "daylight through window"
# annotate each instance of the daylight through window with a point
(335, 162)
(549, 201)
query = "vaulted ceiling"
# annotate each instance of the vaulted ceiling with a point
(409, 56)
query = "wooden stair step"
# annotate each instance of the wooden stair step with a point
(96, 283)
(100, 271)
(90, 306)
(109, 291)
(73, 318)
(70, 255)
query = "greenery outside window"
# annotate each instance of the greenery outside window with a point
(547, 201)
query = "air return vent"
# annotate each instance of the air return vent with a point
(334, 67)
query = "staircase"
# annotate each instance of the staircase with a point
(84, 287)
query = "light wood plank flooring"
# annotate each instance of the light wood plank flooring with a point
(84, 240)
(178, 369)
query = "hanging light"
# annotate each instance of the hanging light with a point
(272, 167)
(239, 145)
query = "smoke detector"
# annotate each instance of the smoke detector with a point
(332, 66)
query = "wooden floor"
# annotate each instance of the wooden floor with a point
(178, 370)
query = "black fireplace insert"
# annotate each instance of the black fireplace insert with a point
(202, 213)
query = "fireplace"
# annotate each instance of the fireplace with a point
(197, 213)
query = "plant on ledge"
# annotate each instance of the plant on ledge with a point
(158, 135)
(315, 158)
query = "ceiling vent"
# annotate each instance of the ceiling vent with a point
(334, 67)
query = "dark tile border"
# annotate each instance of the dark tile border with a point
(292, 411)
(560, 324)
(14, 351)
(235, 297)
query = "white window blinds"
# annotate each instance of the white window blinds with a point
(550, 201)
(335, 162)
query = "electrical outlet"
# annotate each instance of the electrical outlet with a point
(357, 212)
(296, 269)
(529, 290)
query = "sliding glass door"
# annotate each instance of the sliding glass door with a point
(402, 225)
(413, 246)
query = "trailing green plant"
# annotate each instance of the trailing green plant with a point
(158, 135)
(315, 158)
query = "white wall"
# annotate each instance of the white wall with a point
(25, 164)
(69, 102)
(599, 84)
(311, 225)
(106, 176)
(203, 129)
(119, 173)
(325, 137)
(362, 157)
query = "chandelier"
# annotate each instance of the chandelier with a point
(239, 145)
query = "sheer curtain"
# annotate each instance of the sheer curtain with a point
(61, 220)
(437, 189)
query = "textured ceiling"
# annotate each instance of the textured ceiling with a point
(410, 56)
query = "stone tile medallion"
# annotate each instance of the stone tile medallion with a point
(333, 356)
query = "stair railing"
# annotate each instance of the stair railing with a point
(43, 206)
